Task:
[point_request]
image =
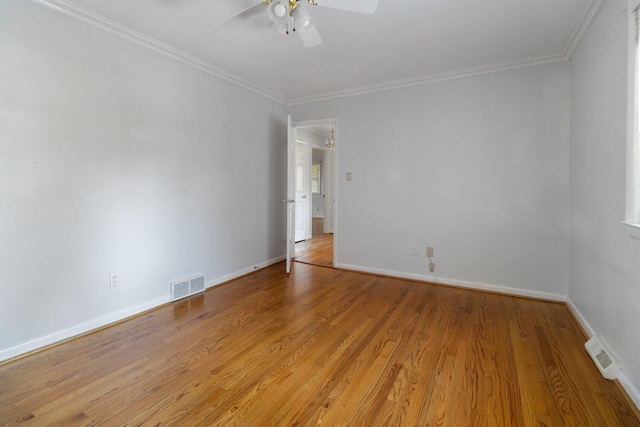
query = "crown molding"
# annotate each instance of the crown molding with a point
(589, 12)
(583, 23)
(449, 75)
(96, 20)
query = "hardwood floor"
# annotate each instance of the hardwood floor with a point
(319, 249)
(322, 346)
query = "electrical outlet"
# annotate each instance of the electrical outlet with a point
(432, 266)
(414, 250)
(114, 280)
(429, 252)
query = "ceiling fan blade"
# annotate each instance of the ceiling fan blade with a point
(360, 6)
(310, 36)
(244, 17)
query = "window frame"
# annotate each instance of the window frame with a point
(632, 196)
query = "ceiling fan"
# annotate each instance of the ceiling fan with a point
(287, 16)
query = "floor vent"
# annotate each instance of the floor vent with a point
(187, 287)
(603, 358)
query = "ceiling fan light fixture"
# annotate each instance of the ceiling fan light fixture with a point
(302, 18)
(277, 11)
(279, 22)
(279, 27)
(287, 16)
(280, 10)
(310, 36)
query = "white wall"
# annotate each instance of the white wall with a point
(117, 159)
(604, 286)
(475, 167)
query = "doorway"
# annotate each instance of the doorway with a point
(302, 224)
(313, 138)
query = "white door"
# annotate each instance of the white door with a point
(301, 192)
(290, 200)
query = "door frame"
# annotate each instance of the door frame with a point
(328, 195)
(334, 171)
(290, 199)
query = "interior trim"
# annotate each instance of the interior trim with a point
(449, 75)
(88, 17)
(84, 15)
(477, 286)
(623, 380)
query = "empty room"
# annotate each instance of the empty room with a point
(466, 171)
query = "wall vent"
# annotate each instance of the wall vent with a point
(187, 287)
(602, 357)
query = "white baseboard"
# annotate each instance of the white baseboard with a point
(219, 280)
(459, 283)
(629, 388)
(622, 378)
(103, 321)
(82, 328)
(581, 319)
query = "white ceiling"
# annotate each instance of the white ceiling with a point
(403, 43)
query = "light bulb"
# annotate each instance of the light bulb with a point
(280, 10)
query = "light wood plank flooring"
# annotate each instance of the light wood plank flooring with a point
(322, 346)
